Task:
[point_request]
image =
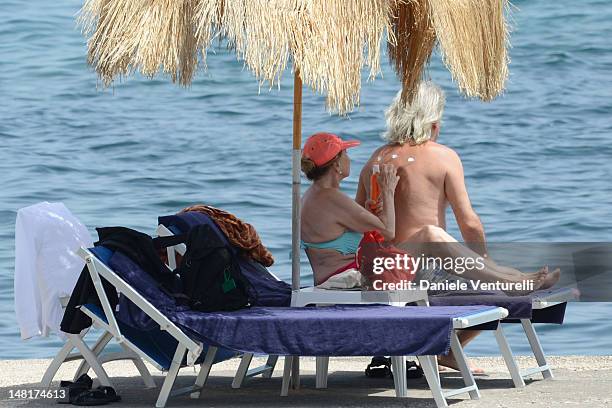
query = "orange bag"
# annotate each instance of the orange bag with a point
(373, 247)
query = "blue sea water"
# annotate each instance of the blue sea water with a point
(537, 160)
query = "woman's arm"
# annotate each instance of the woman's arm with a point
(388, 179)
(354, 217)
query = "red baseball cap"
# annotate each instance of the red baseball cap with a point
(323, 147)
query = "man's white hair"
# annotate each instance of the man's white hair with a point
(412, 122)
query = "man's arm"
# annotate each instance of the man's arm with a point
(362, 188)
(468, 221)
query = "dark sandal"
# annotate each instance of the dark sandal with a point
(379, 367)
(72, 389)
(413, 370)
(82, 381)
(97, 396)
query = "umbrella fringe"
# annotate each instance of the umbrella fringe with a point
(414, 42)
(331, 41)
(473, 38)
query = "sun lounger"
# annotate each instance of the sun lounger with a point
(539, 307)
(166, 346)
(194, 337)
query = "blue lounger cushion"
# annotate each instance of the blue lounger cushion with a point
(342, 330)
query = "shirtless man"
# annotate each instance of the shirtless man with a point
(431, 178)
(431, 173)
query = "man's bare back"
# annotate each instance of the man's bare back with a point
(431, 177)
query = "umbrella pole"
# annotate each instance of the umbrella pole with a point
(295, 204)
(295, 193)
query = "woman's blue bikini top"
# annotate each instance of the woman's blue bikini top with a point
(346, 244)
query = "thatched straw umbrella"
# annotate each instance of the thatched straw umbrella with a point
(328, 42)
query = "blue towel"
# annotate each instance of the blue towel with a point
(146, 286)
(346, 330)
(519, 307)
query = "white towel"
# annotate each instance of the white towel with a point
(349, 279)
(46, 265)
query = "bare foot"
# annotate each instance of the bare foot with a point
(537, 279)
(551, 279)
(449, 362)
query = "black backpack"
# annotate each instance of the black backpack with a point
(210, 273)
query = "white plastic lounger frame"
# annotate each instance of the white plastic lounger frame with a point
(539, 303)
(91, 357)
(243, 372)
(428, 363)
(186, 346)
(321, 297)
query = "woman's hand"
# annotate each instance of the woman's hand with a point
(388, 178)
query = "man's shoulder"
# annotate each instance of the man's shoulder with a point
(443, 151)
(372, 159)
(377, 152)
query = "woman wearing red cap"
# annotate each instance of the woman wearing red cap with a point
(332, 223)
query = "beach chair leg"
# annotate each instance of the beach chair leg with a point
(506, 352)
(429, 364)
(271, 362)
(91, 358)
(295, 373)
(398, 365)
(56, 364)
(164, 393)
(96, 350)
(322, 364)
(536, 347)
(205, 367)
(265, 370)
(466, 373)
(245, 361)
(146, 376)
(286, 376)
(433, 362)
